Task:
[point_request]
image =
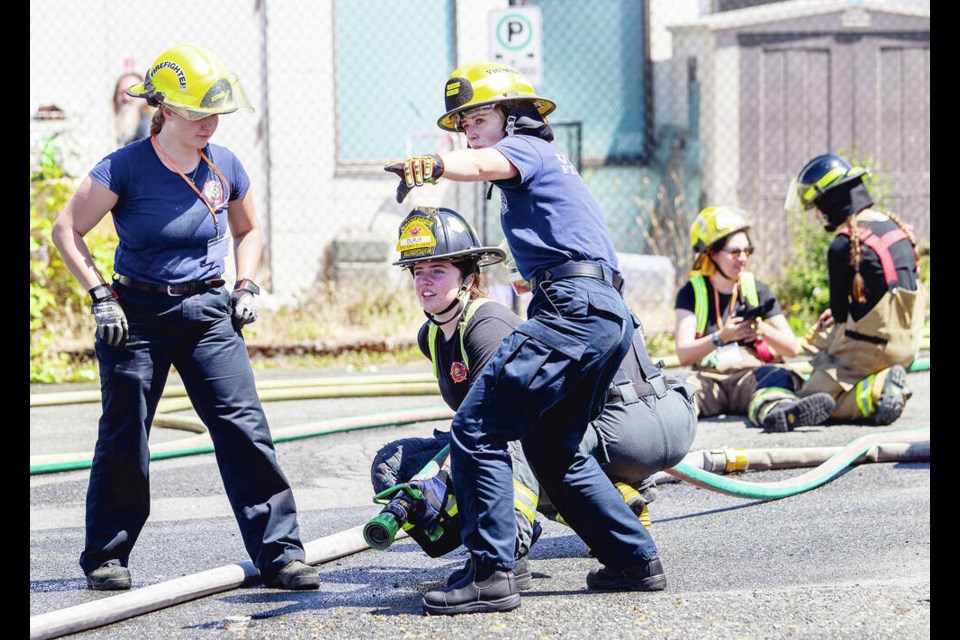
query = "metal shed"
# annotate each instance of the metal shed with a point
(783, 82)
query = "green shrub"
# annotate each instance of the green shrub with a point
(60, 318)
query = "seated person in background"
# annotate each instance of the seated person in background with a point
(873, 327)
(732, 333)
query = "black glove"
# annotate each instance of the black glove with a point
(111, 320)
(415, 172)
(243, 300)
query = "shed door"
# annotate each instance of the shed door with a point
(865, 96)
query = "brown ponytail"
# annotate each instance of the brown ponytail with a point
(908, 229)
(156, 122)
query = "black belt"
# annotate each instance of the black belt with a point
(865, 338)
(579, 270)
(615, 393)
(181, 289)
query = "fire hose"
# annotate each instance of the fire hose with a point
(701, 468)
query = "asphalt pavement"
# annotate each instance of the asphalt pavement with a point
(848, 558)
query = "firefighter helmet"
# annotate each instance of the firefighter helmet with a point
(438, 233)
(823, 173)
(193, 82)
(716, 223)
(487, 84)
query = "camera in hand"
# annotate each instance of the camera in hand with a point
(752, 312)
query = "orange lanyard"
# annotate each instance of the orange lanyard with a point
(716, 303)
(216, 223)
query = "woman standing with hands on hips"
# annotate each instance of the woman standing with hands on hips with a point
(173, 196)
(549, 378)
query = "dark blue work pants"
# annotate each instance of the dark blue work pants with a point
(194, 334)
(544, 385)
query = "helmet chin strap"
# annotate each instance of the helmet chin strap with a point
(721, 271)
(457, 302)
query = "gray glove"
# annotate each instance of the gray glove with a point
(111, 320)
(243, 299)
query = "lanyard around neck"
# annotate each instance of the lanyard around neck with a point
(216, 223)
(716, 302)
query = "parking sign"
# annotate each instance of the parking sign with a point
(516, 39)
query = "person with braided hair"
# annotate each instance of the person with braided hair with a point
(871, 331)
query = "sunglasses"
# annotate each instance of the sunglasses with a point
(735, 253)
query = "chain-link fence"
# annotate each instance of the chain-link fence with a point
(666, 106)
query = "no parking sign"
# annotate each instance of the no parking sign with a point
(516, 39)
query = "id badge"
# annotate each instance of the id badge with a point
(520, 286)
(729, 354)
(217, 249)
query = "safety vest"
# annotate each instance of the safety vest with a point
(433, 330)
(881, 246)
(701, 305)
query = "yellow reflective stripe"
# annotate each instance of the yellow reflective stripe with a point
(762, 396)
(701, 306)
(471, 309)
(865, 397)
(433, 329)
(828, 178)
(748, 288)
(432, 341)
(525, 500)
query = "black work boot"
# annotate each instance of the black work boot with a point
(295, 575)
(521, 573)
(645, 577)
(893, 397)
(110, 576)
(803, 412)
(488, 590)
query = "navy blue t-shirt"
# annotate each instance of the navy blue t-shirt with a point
(162, 224)
(548, 214)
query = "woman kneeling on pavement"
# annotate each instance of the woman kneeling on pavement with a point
(647, 425)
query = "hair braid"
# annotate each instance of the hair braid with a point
(857, 288)
(908, 229)
(156, 121)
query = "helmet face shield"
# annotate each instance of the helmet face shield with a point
(796, 201)
(224, 96)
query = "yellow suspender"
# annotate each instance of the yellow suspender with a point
(748, 289)
(472, 307)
